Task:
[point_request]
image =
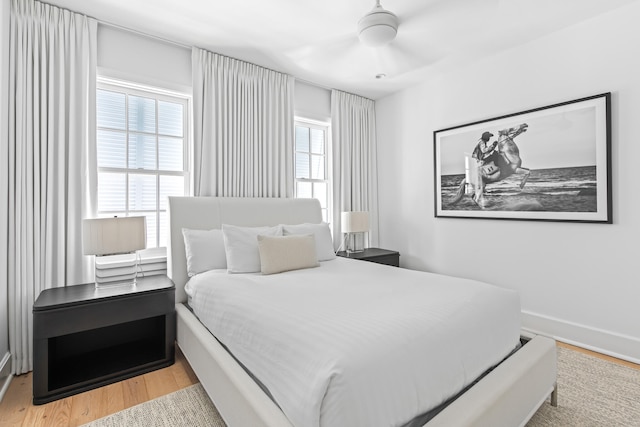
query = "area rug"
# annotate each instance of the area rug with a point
(592, 393)
(187, 407)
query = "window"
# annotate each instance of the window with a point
(312, 163)
(142, 142)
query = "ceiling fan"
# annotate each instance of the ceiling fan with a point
(378, 27)
(376, 48)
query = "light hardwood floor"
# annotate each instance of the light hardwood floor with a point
(599, 355)
(16, 408)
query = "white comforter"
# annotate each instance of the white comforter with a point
(352, 343)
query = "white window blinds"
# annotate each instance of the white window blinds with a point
(142, 145)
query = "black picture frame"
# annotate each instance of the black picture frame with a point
(547, 164)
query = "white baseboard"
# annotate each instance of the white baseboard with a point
(5, 374)
(606, 342)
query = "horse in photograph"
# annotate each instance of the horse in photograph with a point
(502, 163)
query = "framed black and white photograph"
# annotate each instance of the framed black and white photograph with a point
(550, 164)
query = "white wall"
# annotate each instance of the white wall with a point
(312, 102)
(134, 57)
(578, 282)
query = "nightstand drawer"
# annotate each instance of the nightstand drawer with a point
(99, 314)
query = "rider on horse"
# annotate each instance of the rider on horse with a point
(487, 155)
(496, 161)
(483, 149)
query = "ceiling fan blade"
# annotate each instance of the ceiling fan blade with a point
(340, 43)
(326, 56)
(396, 59)
(425, 35)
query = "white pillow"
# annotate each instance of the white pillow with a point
(322, 235)
(285, 253)
(241, 246)
(204, 250)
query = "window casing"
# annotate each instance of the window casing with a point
(142, 153)
(313, 163)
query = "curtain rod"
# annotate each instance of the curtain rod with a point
(120, 27)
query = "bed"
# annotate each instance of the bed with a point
(508, 395)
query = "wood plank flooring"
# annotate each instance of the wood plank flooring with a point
(16, 408)
(599, 355)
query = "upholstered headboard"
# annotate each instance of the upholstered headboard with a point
(206, 213)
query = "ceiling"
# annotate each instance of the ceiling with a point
(316, 40)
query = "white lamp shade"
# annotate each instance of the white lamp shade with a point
(108, 236)
(354, 222)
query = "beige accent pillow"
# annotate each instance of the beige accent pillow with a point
(285, 253)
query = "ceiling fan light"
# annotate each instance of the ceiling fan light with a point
(378, 27)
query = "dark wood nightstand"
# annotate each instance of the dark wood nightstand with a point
(377, 255)
(84, 338)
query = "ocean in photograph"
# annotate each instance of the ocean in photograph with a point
(549, 190)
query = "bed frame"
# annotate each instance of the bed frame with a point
(507, 396)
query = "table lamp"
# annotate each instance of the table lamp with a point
(354, 224)
(114, 242)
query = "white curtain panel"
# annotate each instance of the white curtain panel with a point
(243, 128)
(355, 182)
(51, 156)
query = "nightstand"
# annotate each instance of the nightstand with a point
(84, 338)
(377, 255)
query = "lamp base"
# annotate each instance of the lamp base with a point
(116, 284)
(355, 243)
(349, 251)
(116, 270)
